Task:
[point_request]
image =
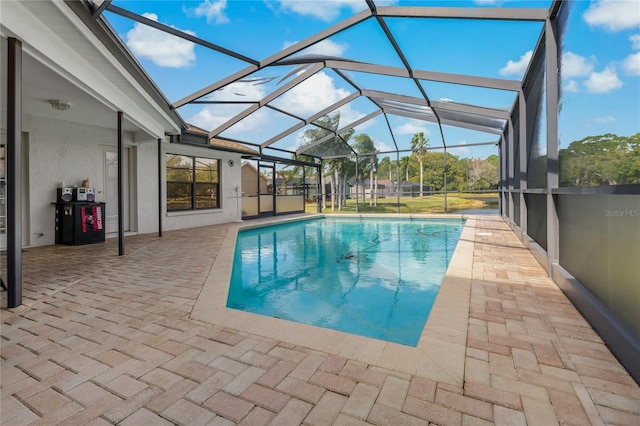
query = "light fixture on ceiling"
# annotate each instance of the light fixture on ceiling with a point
(60, 105)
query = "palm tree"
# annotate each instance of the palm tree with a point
(419, 145)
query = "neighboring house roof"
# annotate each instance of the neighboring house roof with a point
(224, 143)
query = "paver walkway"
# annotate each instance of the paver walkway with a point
(103, 339)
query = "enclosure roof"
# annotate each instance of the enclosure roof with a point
(386, 69)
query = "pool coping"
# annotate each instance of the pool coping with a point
(440, 353)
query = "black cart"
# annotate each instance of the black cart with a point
(79, 222)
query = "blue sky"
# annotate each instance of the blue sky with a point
(601, 63)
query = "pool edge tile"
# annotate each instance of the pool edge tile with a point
(443, 338)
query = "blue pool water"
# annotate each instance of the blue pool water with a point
(373, 277)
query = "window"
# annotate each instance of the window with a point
(192, 183)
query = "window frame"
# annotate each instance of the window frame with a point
(193, 183)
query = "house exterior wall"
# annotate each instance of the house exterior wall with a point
(145, 164)
(230, 179)
(60, 151)
(249, 181)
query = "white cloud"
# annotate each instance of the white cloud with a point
(212, 116)
(325, 47)
(574, 65)
(519, 67)
(312, 95)
(301, 141)
(349, 115)
(305, 99)
(603, 82)
(212, 10)
(381, 146)
(635, 41)
(572, 86)
(445, 100)
(459, 151)
(324, 10)
(632, 64)
(412, 127)
(161, 48)
(604, 119)
(613, 15)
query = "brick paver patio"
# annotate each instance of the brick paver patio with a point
(103, 339)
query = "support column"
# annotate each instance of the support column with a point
(357, 185)
(305, 189)
(445, 179)
(323, 185)
(398, 179)
(522, 149)
(160, 162)
(14, 172)
(319, 188)
(120, 183)
(502, 152)
(510, 171)
(552, 90)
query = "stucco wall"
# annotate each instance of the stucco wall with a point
(145, 164)
(60, 151)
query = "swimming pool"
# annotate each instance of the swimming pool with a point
(368, 276)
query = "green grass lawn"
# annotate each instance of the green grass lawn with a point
(427, 204)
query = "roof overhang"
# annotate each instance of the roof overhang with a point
(69, 57)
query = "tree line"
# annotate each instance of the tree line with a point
(423, 166)
(606, 159)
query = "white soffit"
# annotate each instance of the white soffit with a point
(71, 64)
